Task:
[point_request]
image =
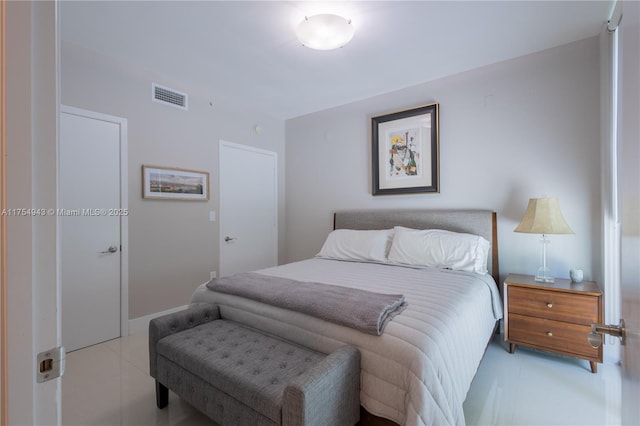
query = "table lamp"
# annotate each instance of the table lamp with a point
(543, 216)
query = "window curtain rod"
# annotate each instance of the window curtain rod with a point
(616, 17)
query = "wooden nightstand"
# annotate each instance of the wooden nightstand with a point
(554, 317)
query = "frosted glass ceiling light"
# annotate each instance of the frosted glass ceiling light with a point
(325, 32)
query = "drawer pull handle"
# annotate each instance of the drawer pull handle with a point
(549, 305)
(550, 334)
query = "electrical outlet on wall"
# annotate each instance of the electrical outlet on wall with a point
(212, 274)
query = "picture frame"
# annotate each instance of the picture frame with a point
(406, 151)
(171, 183)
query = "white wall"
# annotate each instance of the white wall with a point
(523, 128)
(173, 245)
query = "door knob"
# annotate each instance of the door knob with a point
(227, 238)
(111, 249)
(597, 330)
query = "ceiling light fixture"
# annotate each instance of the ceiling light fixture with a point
(325, 31)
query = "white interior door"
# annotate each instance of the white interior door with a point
(629, 196)
(90, 212)
(248, 208)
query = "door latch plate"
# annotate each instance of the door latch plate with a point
(51, 364)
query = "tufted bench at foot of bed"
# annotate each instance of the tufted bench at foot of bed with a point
(237, 375)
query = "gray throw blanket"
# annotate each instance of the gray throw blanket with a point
(359, 309)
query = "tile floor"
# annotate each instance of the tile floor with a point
(109, 384)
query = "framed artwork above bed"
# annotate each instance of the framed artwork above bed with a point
(405, 151)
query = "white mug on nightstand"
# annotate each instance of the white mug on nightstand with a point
(576, 275)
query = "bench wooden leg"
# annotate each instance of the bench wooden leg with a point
(162, 395)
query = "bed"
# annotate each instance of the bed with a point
(419, 369)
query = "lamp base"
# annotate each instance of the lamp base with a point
(544, 275)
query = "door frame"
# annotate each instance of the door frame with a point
(4, 368)
(124, 204)
(274, 155)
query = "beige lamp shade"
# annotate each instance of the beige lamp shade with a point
(543, 216)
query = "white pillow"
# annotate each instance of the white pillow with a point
(351, 244)
(439, 249)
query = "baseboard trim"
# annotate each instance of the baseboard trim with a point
(612, 352)
(141, 324)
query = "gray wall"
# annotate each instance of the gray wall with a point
(523, 128)
(172, 244)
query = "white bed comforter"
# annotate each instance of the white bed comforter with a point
(419, 370)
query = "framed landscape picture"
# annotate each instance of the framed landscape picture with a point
(168, 183)
(405, 151)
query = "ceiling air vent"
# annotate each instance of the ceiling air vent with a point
(169, 96)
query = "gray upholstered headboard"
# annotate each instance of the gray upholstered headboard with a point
(478, 222)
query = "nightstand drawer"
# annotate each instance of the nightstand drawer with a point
(553, 335)
(575, 308)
